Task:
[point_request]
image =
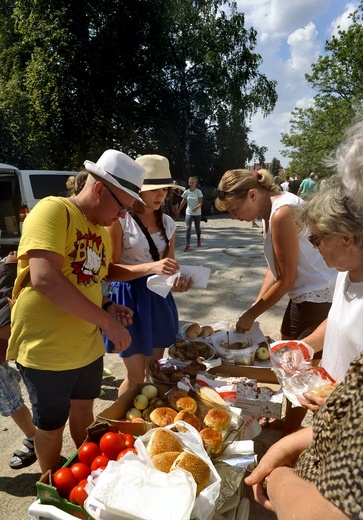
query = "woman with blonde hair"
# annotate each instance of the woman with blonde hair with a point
(294, 267)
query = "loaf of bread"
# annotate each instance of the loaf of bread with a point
(188, 417)
(193, 331)
(162, 441)
(212, 397)
(212, 440)
(196, 466)
(163, 416)
(217, 419)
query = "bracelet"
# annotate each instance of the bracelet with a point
(107, 304)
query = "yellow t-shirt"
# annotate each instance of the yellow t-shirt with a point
(44, 336)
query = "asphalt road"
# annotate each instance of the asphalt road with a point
(233, 252)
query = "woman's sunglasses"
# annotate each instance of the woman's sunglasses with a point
(221, 195)
(315, 240)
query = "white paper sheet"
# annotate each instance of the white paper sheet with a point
(161, 284)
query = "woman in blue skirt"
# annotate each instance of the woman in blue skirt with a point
(144, 242)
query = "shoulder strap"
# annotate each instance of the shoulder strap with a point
(152, 247)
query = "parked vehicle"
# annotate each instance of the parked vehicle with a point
(20, 190)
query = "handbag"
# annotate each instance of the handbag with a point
(152, 247)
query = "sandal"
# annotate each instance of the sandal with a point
(21, 459)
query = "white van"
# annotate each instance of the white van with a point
(20, 190)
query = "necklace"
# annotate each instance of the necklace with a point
(81, 209)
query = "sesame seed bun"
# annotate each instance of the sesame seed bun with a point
(162, 441)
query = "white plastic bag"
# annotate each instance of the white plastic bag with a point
(133, 489)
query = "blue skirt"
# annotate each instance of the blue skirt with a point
(155, 322)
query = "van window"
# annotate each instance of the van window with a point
(45, 185)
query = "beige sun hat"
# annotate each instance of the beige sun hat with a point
(120, 171)
(157, 173)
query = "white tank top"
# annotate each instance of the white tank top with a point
(135, 247)
(314, 280)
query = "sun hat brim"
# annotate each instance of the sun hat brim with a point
(156, 184)
(117, 182)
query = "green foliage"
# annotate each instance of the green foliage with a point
(275, 166)
(338, 79)
(177, 77)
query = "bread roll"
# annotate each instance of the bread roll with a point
(163, 416)
(189, 418)
(212, 440)
(164, 461)
(196, 466)
(174, 395)
(207, 331)
(162, 441)
(186, 403)
(217, 419)
(193, 331)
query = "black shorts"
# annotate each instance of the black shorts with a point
(50, 392)
(300, 319)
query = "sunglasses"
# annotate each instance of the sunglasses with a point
(315, 240)
(123, 209)
(221, 195)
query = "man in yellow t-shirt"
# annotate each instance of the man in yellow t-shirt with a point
(63, 255)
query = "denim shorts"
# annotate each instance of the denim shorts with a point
(50, 392)
(11, 399)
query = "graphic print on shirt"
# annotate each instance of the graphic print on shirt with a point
(87, 257)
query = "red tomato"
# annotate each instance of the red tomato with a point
(78, 494)
(111, 444)
(129, 440)
(123, 452)
(88, 451)
(100, 462)
(64, 481)
(80, 470)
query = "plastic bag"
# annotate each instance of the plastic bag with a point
(291, 362)
(148, 494)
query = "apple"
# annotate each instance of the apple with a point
(150, 391)
(141, 402)
(262, 353)
(132, 413)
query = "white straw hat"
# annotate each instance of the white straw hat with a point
(157, 173)
(119, 170)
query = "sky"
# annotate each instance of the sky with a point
(291, 35)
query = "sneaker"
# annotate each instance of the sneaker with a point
(199, 243)
(187, 247)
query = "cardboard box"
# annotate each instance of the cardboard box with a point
(48, 494)
(11, 225)
(116, 413)
(265, 377)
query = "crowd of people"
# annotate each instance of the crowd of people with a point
(81, 287)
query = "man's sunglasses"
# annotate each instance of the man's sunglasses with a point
(221, 195)
(315, 240)
(123, 209)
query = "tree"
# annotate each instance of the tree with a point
(178, 78)
(275, 167)
(338, 78)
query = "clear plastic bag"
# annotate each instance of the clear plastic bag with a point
(291, 362)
